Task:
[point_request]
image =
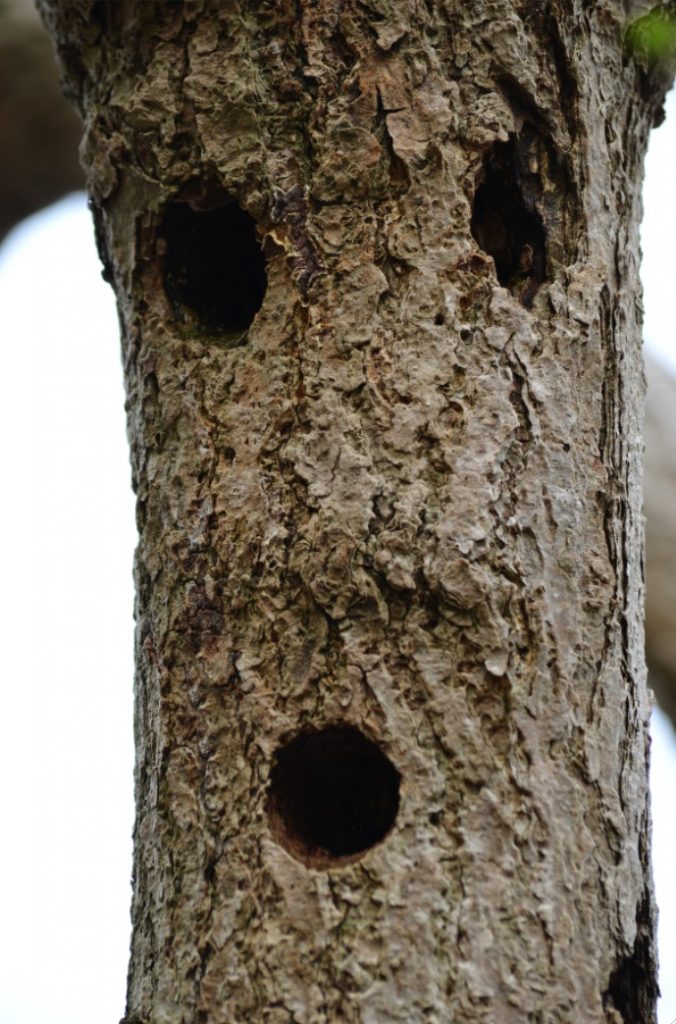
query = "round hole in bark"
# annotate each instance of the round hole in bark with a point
(214, 264)
(333, 794)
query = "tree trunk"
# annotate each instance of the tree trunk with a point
(377, 272)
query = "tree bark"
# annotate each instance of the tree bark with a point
(391, 711)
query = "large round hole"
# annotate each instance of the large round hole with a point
(214, 264)
(333, 794)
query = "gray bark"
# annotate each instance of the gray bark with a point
(402, 505)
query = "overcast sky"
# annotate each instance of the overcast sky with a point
(66, 757)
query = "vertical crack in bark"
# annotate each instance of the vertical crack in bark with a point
(567, 81)
(398, 171)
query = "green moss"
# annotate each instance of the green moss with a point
(651, 39)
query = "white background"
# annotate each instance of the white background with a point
(67, 536)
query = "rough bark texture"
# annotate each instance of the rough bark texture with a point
(406, 500)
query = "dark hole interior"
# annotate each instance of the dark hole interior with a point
(333, 794)
(507, 225)
(214, 264)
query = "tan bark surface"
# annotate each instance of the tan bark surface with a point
(406, 500)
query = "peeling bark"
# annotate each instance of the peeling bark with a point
(396, 506)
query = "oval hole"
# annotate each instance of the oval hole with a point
(214, 264)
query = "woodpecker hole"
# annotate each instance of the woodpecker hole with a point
(506, 223)
(214, 264)
(333, 795)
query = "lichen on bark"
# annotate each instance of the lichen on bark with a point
(406, 502)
